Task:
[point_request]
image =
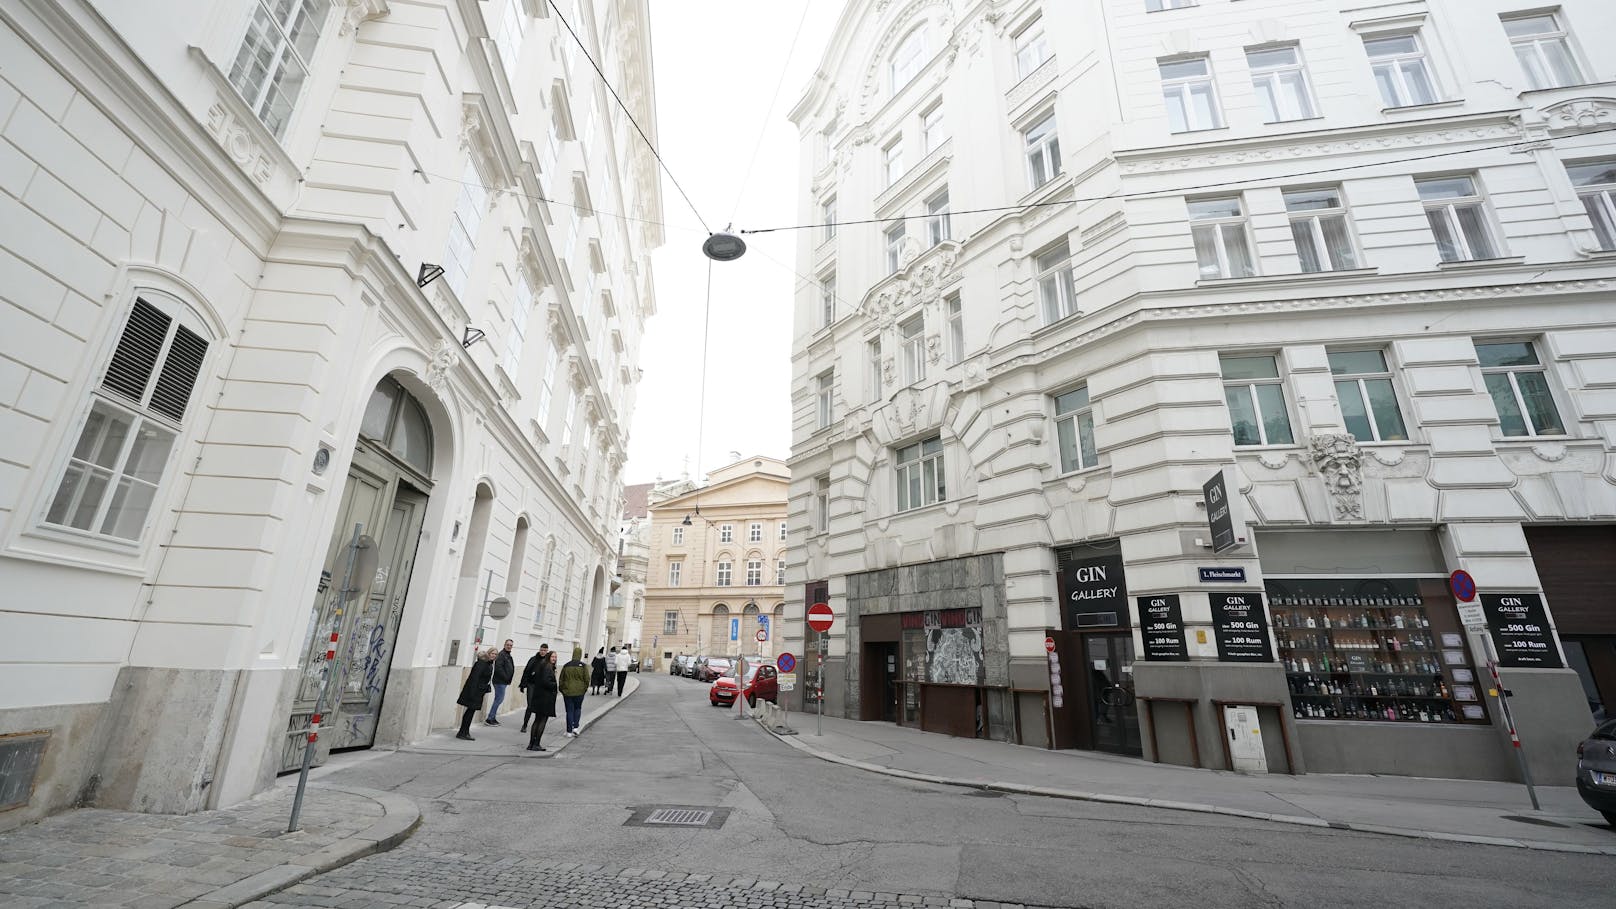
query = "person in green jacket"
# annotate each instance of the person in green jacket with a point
(574, 685)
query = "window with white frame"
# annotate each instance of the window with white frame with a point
(1319, 227)
(872, 363)
(909, 59)
(571, 415)
(894, 240)
(821, 503)
(1041, 142)
(920, 474)
(938, 225)
(782, 527)
(1156, 6)
(1363, 386)
(827, 217)
(1402, 71)
(1222, 245)
(1457, 213)
(676, 571)
(1519, 385)
(1074, 429)
(826, 146)
(932, 132)
(1192, 99)
(678, 536)
(892, 161)
(470, 204)
(726, 573)
(1595, 182)
(1280, 80)
(827, 384)
(517, 338)
(827, 299)
(547, 388)
(109, 485)
(726, 533)
(911, 334)
(779, 572)
(754, 572)
(670, 622)
(544, 583)
(512, 26)
(1543, 49)
(1256, 399)
(956, 328)
(1056, 290)
(754, 532)
(1032, 47)
(275, 55)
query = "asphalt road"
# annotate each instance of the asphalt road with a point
(509, 832)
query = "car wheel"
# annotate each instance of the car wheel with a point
(751, 701)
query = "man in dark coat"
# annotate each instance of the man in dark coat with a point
(597, 672)
(504, 671)
(541, 695)
(529, 673)
(471, 694)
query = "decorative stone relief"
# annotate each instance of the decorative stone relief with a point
(1388, 457)
(444, 358)
(1550, 451)
(1339, 462)
(920, 285)
(358, 11)
(934, 349)
(237, 141)
(1273, 460)
(874, 84)
(1581, 114)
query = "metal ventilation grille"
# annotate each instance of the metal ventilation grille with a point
(689, 817)
(138, 348)
(680, 817)
(180, 369)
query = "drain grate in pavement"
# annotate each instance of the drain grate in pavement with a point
(1532, 820)
(678, 816)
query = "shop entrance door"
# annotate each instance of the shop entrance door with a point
(1108, 670)
(880, 673)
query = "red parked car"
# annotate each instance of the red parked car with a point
(761, 682)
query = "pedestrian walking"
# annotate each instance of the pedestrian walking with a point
(573, 683)
(541, 694)
(597, 672)
(624, 660)
(477, 684)
(611, 670)
(504, 671)
(529, 673)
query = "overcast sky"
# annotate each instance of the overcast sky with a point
(716, 71)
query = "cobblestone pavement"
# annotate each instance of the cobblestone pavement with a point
(93, 857)
(436, 880)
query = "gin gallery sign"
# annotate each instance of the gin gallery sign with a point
(1093, 592)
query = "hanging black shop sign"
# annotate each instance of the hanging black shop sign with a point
(1092, 589)
(1222, 512)
(1162, 624)
(1520, 630)
(1240, 623)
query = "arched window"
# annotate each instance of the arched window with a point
(397, 422)
(909, 59)
(719, 643)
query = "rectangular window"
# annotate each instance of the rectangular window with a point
(754, 572)
(675, 572)
(920, 474)
(566, 422)
(678, 536)
(1319, 226)
(1457, 214)
(1032, 48)
(547, 389)
(894, 238)
(1222, 246)
(779, 572)
(1401, 70)
(1596, 187)
(1541, 46)
(937, 220)
(754, 532)
(1192, 100)
(1055, 288)
(1363, 385)
(273, 61)
(110, 483)
(912, 337)
(827, 299)
(827, 383)
(782, 531)
(956, 329)
(872, 352)
(1280, 80)
(1042, 146)
(932, 134)
(725, 574)
(670, 622)
(726, 533)
(517, 338)
(1074, 426)
(892, 161)
(827, 217)
(463, 224)
(1256, 399)
(821, 504)
(513, 23)
(1519, 386)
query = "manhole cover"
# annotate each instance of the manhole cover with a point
(677, 816)
(1532, 820)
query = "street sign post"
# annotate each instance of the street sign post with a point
(820, 618)
(762, 636)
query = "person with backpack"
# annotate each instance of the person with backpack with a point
(574, 682)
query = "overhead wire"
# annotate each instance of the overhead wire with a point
(785, 67)
(582, 208)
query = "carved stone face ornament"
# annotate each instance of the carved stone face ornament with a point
(1339, 462)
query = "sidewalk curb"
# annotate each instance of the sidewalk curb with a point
(1193, 807)
(425, 747)
(400, 817)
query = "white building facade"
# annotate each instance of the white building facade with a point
(1358, 260)
(218, 363)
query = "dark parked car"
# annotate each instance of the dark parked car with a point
(693, 666)
(676, 666)
(712, 667)
(1596, 771)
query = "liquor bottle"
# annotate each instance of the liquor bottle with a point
(1311, 623)
(1424, 716)
(1397, 620)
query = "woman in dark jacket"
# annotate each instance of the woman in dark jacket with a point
(597, 672)
(541, 695)
(478, 683)
(530, 677)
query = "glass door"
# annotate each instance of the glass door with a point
(1113, 716)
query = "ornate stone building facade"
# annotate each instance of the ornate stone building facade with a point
(1197, 344)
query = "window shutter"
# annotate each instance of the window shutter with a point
(138, 349)
(180, 369)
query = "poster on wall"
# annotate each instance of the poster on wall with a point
(1161, 621)
(1520, 629)
(1093, 591)
(1240, 622)
(954, 647)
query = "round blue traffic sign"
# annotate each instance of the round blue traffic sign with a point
(787, 662)
(1462, 585)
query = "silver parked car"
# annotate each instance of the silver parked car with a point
(1596, 771)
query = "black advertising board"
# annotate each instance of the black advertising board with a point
(1092, 589)
(1240, 622)
(1219, 514)
(1162, 623)
(1520, 630)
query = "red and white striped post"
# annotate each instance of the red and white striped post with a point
(1509, 720)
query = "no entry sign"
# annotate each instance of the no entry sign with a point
(820, 617)
(1049, 645)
